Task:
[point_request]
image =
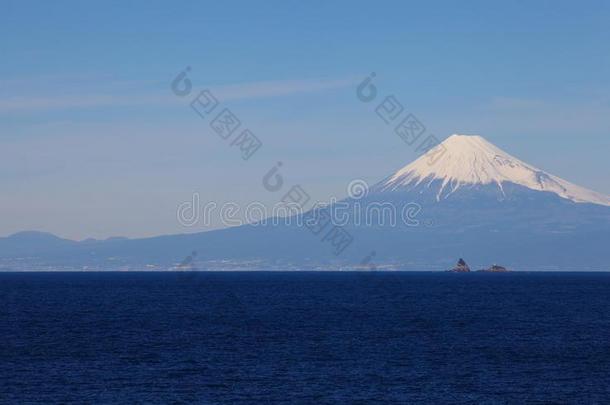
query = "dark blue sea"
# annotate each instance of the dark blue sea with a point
(305, 338)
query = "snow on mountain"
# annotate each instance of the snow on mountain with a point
(469, 160)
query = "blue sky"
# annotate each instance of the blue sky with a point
(94, 144)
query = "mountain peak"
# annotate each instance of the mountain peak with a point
(463, 138)
(34, 235)
(471, 159)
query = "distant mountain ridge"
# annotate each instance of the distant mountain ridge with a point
(475, 202)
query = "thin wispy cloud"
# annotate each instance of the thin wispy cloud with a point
(44, 103)
(516, 103)
(277, 88)
(237, 91)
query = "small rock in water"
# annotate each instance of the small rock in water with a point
(460, 267)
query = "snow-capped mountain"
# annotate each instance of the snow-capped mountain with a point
(468, 160)
(473, 201)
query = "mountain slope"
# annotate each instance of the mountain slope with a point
(475, 202)
(468, 160)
